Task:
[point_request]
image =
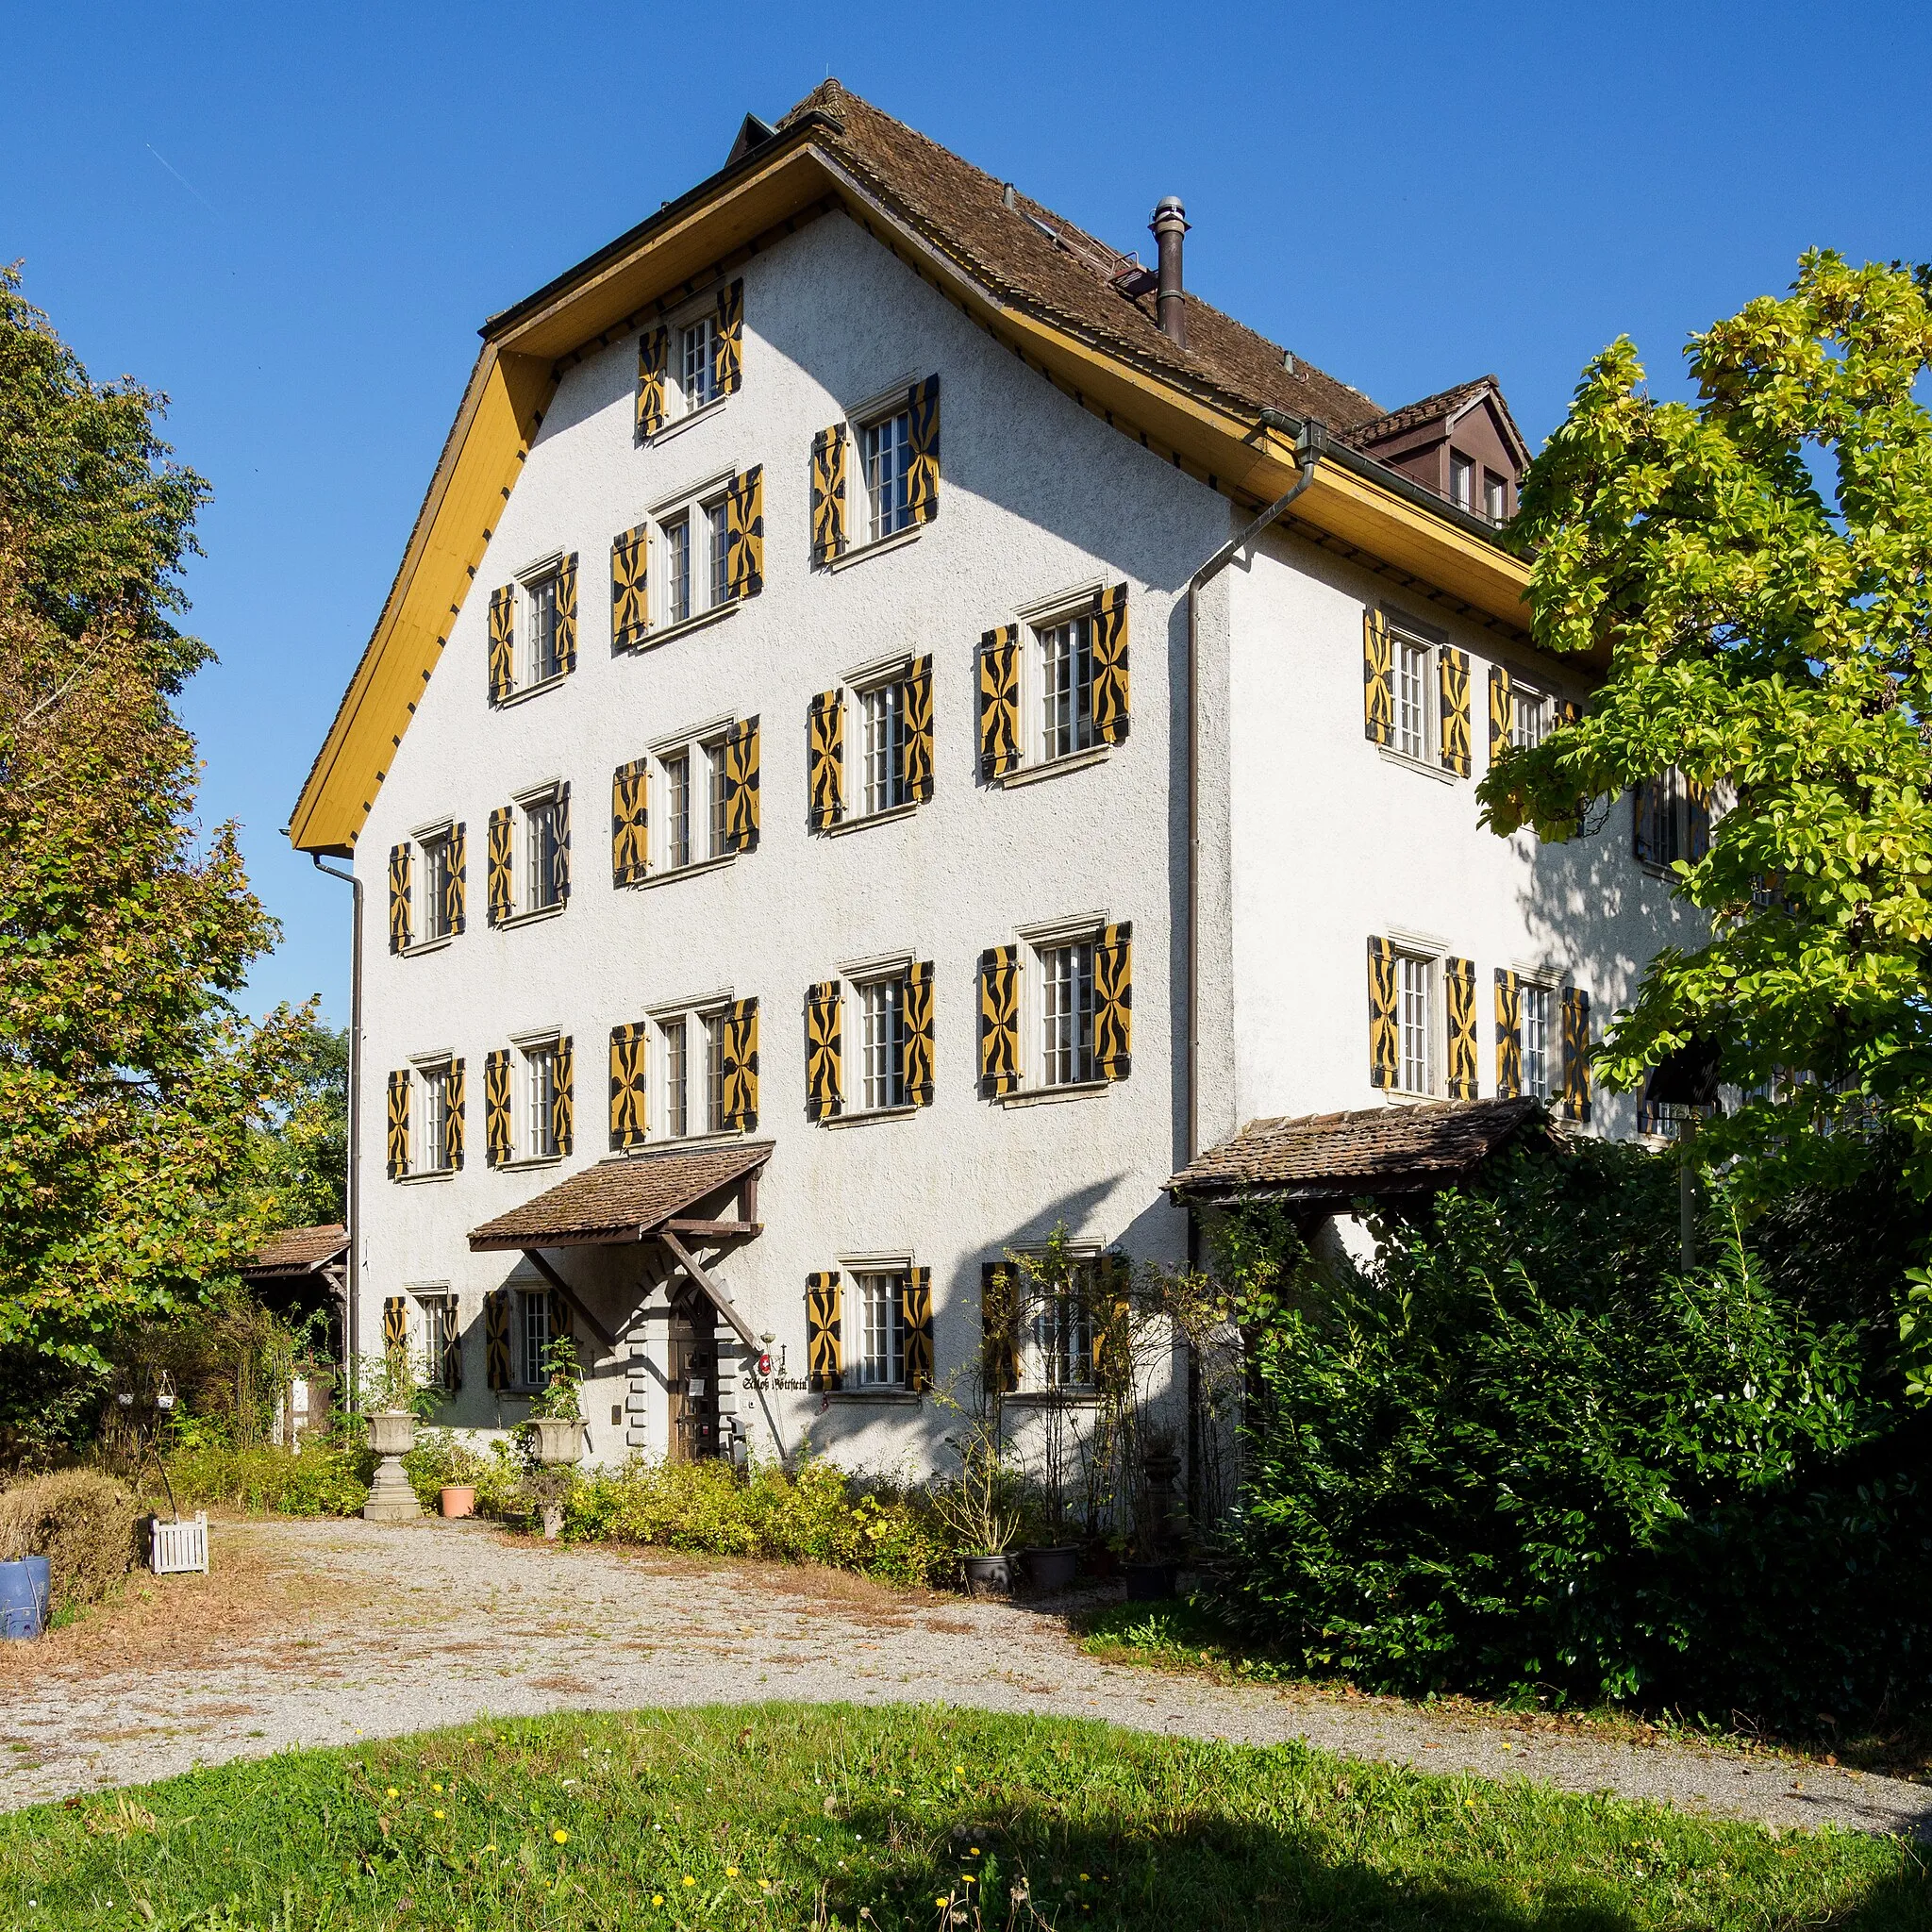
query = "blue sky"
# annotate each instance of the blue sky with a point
(292, 221)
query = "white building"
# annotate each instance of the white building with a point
(815, 840)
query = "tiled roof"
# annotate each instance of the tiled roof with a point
(618, 1200)
(297, 1250)
(1028, 255)
(1366, 436)
(1377, 1150)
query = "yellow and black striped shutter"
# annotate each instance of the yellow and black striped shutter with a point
(923, 467)
(915, 1316)
(563, 1110)
(1384, 1049)
(629, 1113)
(456, 892)
(1458, 990)
(824, 1353)
(567, 613)
(563, 843)
(398, 1144)
(824, 1051)
(1379, 678)
(740, 1055)
(1568, 711)
(1110, 1321)
(1114, 1002)
(496, 1338)
(563, 1320)
(450, 1341)
(727, 340)
(502, 883)
(919, 744)
(497, 1146)
(742, 786)
(744, 534)
(999, 1021)
(1111, 665)
(455, 1093)
(630, 823)
(503, 642)
(1508, 1035)
(1696, 821)
(1575, 1054)
(999, 702)
(653, 352)
(1502, 710)
(395, 1326)
(630, 587)
(824, 759)
(999, 1341)
(918, 1034)
(828, 496)
(1452, 682)
(399, 898)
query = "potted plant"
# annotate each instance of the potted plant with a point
(983, 1508)
(1053, 1297)
(394, 1398)
(1153, 1562)
(556, 1428)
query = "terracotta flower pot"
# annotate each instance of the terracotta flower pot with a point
(458, 1499)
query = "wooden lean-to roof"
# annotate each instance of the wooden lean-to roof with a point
(297, 1250)
(1227, 408)
(626, 1200)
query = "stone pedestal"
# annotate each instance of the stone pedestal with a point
(392, 1435)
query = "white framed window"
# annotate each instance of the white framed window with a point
(676, 533)
(538, 1070)
(676, 770)
(1066, 1013)
(1529, 715)
(1415, 664)
(545, 844)
(431, 1125)
(687, 1077)
(697, 368)
(885, 446)
(882, 747)
(882, 1043)
(689, 552)
(879, 1328)
(1461, 480)
(1059, 1352)
(714, 1072)
(435, 1336)
(1066, 687)
(542, 653)
(433, 885)
(1537, 1039)
(533, 1336)
(672, 1046)
(690, 778)
(1495, 497)
(1415, 1022)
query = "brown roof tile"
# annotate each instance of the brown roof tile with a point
(1377, 1150)
(617, 1200)
(297, 1250)
(1066, 274)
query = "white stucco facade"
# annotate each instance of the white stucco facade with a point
(1312, 839)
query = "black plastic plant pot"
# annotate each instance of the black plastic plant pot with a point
(1050, 1567)
(1150, 1583)
(987, 1575)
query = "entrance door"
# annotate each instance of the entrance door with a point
(694, 1372)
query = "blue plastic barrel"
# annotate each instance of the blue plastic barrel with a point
(25, 1589)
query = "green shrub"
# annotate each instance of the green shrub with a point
(320, 1481)
(442, 1458)
(812, 1514)
(82, 1521)
(1518, 1456)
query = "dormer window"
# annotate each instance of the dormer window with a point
(1495, 497)
(1461, 480)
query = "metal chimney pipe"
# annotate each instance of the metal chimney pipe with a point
(1170, 224)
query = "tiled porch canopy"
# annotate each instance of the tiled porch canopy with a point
(1325, 1160)
(294, 1252)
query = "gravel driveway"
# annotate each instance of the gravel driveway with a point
(335, 1630)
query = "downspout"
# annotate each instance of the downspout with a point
(352, 1313)
(1311, 439)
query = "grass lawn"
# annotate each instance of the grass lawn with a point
(810, 1816)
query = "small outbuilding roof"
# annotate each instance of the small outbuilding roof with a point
(623, 1200)
(297, 1250)
(1331, 1158)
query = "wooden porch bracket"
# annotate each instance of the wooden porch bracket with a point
(535, 1258)
(721, 1301)
(714, 1230)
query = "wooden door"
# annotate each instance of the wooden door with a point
(694, 1374)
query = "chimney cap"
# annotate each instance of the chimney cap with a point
(1169, 208)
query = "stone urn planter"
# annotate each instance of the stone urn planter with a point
(392, 1435)
(559, 1439)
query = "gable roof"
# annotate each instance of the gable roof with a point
(1333, 1159)
(296, 1251)
(620, 1199)
(1446, 406)
(1228, 408)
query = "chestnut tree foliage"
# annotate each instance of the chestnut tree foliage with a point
(130, 1079)
(1755, 567)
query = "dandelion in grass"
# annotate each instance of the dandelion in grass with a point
(436, 1814)
(657, 1898)
(689, 1879)
(562, 1838)
(731, 1871)
(393, 1792)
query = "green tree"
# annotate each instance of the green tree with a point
(299, 1160)
(1757, 565)
(130, 1079)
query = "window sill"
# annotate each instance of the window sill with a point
(1047, 1096)
(1420, 766)
(665, 874)
(723, 1138)
(905, 1397)
(1052, 767)
(663, 633)
(536, 918)
(865, 1116)
(417, 948)
(1402, 1096)
(1042, 1398)
(528, 1161)
(529, 690)
(658, 438)
(863, 819)
(877, 546)
(431, 1174)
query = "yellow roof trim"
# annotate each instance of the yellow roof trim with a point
(516, 375)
